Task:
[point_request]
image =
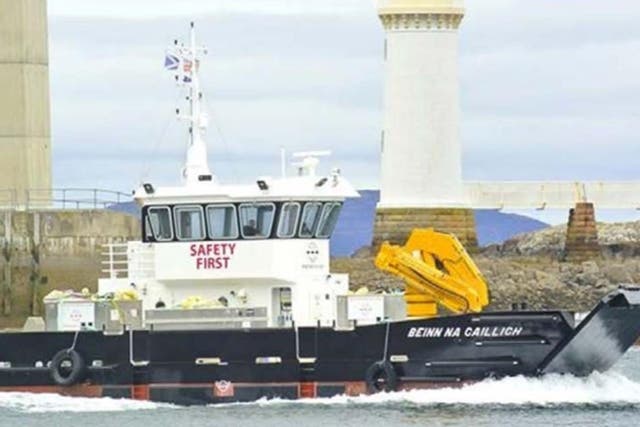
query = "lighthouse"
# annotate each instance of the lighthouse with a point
(421, 171)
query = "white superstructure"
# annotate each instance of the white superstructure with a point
(421, 155)
(260, 250)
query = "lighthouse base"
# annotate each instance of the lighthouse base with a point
(395, 224)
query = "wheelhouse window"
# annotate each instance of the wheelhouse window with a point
(223, 222)
(328, 220)
(159, 220)
(288, 222)
(189, 222)
(310, 217)
(256, 220)
(148, 230)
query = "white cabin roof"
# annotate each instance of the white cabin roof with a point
(332, 187)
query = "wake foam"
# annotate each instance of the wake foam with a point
(551, 390)
(37, 403)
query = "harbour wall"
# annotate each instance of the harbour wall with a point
(43, 250)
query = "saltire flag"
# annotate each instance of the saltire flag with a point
(171, 62)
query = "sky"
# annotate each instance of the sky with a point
(549, 89)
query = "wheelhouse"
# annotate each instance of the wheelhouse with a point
(251, 220)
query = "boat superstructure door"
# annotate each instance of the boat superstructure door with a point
(281, 307)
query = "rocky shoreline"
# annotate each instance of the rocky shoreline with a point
(527, 269)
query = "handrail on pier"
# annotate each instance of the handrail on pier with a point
(61, 198)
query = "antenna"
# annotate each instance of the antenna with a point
(309, 163)
(301, 154)
(283, 162)
(185, 62)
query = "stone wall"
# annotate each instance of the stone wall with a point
(53, 249)
(395, 225)
(582, 234)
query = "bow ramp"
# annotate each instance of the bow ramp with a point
(599, 341)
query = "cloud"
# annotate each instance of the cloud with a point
(146, 9)
(112, 98)
(549, 89)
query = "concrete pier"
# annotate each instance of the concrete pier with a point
(42, 250)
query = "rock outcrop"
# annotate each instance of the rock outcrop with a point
(527, 269)
(620, 240)
(538, 282)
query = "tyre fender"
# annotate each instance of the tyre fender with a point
(67, 368)
(381, 376)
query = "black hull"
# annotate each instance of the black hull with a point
(196, 367)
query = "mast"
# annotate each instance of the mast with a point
(186, 61)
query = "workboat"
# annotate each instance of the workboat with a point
(228, 296)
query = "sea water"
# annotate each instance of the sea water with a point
(608, 399)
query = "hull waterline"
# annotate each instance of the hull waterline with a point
(214, 366)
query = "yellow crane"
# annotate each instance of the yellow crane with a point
(437, 270)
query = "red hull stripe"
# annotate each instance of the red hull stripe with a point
(142, 391)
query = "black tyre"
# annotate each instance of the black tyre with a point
(381, 377)
(67, 368)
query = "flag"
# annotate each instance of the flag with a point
(171, 62)
(187, 65)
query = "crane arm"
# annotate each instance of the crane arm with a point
(437, 268)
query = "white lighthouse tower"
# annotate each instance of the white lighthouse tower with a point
(421, 183)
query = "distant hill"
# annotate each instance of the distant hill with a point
(494, 226)
(355, 226)
(130, 208)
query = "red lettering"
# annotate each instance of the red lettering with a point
(212, 263)
(205, 261)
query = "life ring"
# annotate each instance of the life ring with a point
(67, 367)
(381, 377)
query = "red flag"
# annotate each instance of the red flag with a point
(187, 65)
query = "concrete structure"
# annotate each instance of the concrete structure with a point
(553, 195)
(421, 105)
(421, 182)
(41, 250)
(25, 150)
